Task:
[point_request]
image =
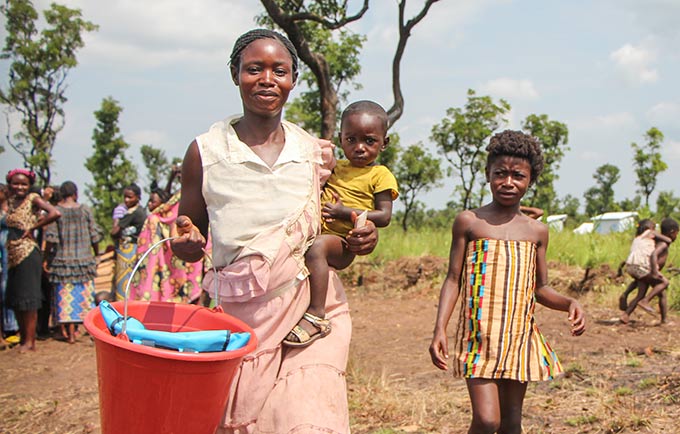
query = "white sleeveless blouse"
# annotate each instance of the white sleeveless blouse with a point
(245, 197)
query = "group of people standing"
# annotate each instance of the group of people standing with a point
(49, 251)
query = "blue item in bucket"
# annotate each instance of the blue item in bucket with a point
(198, 341)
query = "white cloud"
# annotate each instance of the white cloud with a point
(664, 113)
(614, 121)
(672, 149)
(510, 88)
(148, 137)
(635, 63)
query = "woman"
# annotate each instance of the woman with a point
(255, 180)
(24, 258)
(163, 276)
(74, 239)
(125, 232)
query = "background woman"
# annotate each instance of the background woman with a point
(24, 258)
(125, 232)
(74, 241)
(255, 180)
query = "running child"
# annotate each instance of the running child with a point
(497, 270)
(647, 271)
(643, 245)
(357, 184)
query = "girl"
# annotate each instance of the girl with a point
(125, 232)
(497, 262)
(74, 238)
(24, 258)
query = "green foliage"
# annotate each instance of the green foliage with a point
(339, 48)
(569, 206)
(461, 137)
(648, 163)
(554, 137)
(39, 65)
(156, 163)
(666, 204)
(110, 168)
(417, 172)
(600, 198)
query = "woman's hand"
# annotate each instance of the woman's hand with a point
(362, 241)
(28, 233)
(189, 243)
(328, 159)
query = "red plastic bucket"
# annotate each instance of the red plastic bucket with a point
(145, 390)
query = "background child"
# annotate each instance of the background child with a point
(643, 245)
(498, 266)
(648, 272)
(357, 184)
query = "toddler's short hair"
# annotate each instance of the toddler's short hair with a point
(668, 225)
(516, 144)
(365, 106)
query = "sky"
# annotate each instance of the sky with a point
(605, 68)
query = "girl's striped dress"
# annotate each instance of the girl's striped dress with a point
(497, 337)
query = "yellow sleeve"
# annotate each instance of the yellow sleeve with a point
(384, 180)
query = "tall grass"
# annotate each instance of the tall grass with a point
(566, 247)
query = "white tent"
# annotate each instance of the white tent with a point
(584, 228)
(614, 221)
(556, 221)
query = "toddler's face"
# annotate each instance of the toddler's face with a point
(362, 137)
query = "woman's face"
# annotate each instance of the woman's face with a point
(264, 77)
(154, 201)
(19, 185)
(130, 198)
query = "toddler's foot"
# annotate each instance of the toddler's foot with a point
(646, 307)
(308, 329)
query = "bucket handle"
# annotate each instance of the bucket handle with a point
(139, 263)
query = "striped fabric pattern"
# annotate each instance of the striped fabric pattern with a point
(497, 337)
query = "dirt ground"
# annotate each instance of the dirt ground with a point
(619, 378)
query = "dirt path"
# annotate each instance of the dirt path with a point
(620, 378)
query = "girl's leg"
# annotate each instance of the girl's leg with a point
(511, 399)
(486, 408)
(28, 321)
(642, 291)
(658, 287)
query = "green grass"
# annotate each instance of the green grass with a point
(566, 247)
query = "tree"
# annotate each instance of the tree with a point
(110, 168)
(303, 20)
(461, 138)
(569, 206)
(666, 204)
(553, 136)
(155, 161)
(416, 172)
(648, 163)
(600, 198)
(39, 65)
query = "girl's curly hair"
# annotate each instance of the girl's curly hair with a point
(516, 144)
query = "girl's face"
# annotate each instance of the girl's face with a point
(130, 198)
(509, 178)
(264, 77)
(362, 137)
(154, 201)
(19, 185)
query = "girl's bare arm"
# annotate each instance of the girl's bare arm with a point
(548, 297)
(450, 289)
